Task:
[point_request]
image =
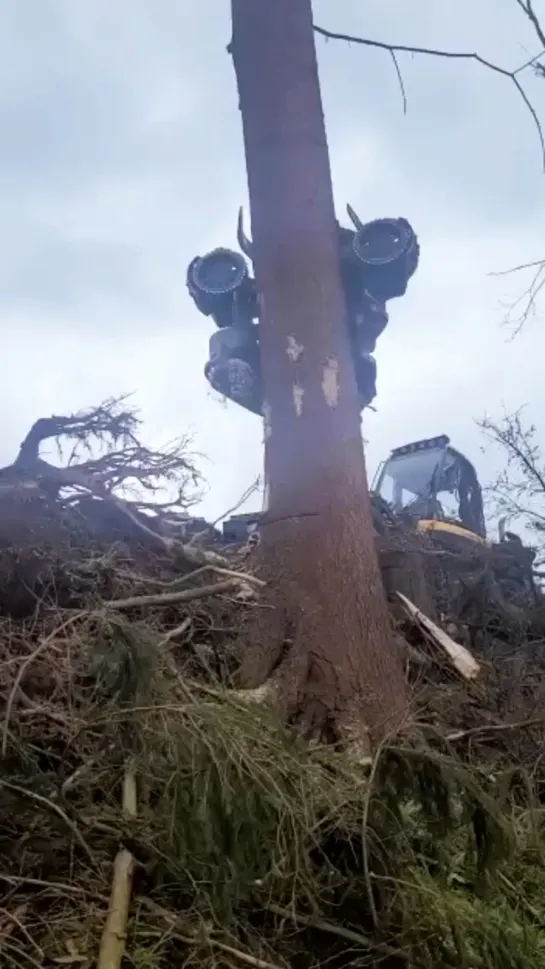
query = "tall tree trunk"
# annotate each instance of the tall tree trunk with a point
(327, 646)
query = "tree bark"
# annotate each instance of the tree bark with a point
(326, 646)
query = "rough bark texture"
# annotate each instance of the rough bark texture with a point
(327, 643)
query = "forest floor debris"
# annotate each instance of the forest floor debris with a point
(149, 817)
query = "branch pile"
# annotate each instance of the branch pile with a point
(151, 817)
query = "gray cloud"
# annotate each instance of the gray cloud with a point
(467, 131)
(122, 158)
(63, 274)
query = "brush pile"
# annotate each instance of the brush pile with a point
(151, 817)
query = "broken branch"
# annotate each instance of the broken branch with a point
(112, 945)
(460, 657)
(167, 598)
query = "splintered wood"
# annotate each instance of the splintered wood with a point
(460, 657)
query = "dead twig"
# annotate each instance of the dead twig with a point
(16, 920)
(17, 881)
(173, 920)
(339, 930)
(244, 577)
(519, 310)
(518, 491)
(167, 598)
(495, 728)
(527, 8)
(24, 667)
(394, 49)
(250, 490)
(177, 631)
(56, 809)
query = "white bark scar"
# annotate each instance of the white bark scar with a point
(267, 427)
(294, 349)
(330, 382)
(266, 495)
(298, 394)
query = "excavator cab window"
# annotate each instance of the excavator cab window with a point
(429, 479)
(405, 479)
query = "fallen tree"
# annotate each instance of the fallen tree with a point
(150, 815)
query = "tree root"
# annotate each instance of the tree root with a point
(126, 461)
(330, 659)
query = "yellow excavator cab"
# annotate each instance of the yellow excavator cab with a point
(436, 487)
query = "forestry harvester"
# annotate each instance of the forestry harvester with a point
(376, 260)
(427, 488)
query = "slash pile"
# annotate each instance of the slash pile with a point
(151, 817)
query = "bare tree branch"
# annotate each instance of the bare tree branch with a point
(400, 79)
(527, 8)
(519, 310)
(250, 490)
(518, 492)
(526, 306)
(394, 49)
(532, 62)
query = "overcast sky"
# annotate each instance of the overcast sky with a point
(121, 158)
